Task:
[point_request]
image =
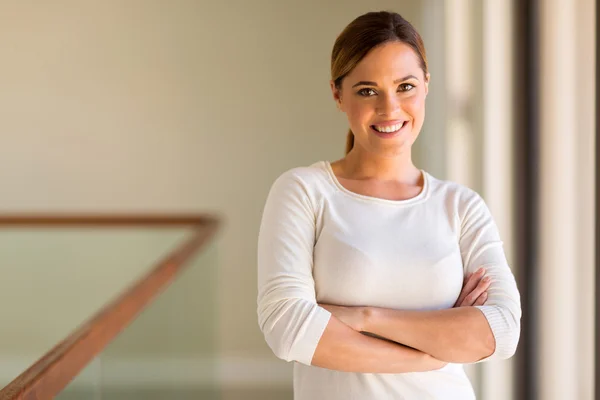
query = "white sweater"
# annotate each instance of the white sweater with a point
(320, 242)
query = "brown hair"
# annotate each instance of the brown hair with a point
(361, 36)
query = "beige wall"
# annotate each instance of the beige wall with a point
(171, 106)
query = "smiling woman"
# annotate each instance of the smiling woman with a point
(384, 98)
(366, 49)
(369, 267)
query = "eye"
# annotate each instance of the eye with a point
(366, 92)
(405, 87)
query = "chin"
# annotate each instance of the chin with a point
(390, 151)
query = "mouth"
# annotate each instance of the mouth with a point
(388, 130)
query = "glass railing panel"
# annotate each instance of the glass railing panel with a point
(170, 350)
(54, 279)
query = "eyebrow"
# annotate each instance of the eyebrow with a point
(370, 83)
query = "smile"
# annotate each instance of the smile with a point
(389, 128)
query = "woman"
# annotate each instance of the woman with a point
(377, 279)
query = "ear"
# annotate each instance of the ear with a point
(337, 95)
(427, 80)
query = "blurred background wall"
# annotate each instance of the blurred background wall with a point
(199, 105)
(171, 106)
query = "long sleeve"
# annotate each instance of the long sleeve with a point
(481, 246)
(288, 314)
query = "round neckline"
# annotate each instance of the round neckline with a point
(343, 189)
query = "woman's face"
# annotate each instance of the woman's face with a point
(384, 99)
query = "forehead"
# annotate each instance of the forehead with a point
(391, 61)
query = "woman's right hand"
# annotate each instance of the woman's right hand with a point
(474, 291)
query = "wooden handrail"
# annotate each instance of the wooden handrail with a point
(53, 372)
(104, 220)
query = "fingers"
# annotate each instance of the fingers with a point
(481, 287)
(481, 299)
(471, 282)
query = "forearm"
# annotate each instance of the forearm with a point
(457, 335)
(343, 349)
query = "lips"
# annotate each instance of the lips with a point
(392, 127)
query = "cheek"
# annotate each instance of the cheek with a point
(359, 112)
(415, 105)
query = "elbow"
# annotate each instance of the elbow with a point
(276, 342)
(278, 348)
(292, 328)
(508, 346)
(507, 341)
(274, 339)
(504, 332)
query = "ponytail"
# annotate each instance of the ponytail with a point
(349, 141)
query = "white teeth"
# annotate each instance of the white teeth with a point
(388, 129)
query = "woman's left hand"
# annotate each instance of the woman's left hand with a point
(354, 317)
(474, 291)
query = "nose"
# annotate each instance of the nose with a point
(388, 104)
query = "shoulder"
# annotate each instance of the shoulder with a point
(456, 195)
(306, 181)
(302, 177)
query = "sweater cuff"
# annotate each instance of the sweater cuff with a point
(501, 329)
(306, 345)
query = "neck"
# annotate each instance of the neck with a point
(360, 164)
